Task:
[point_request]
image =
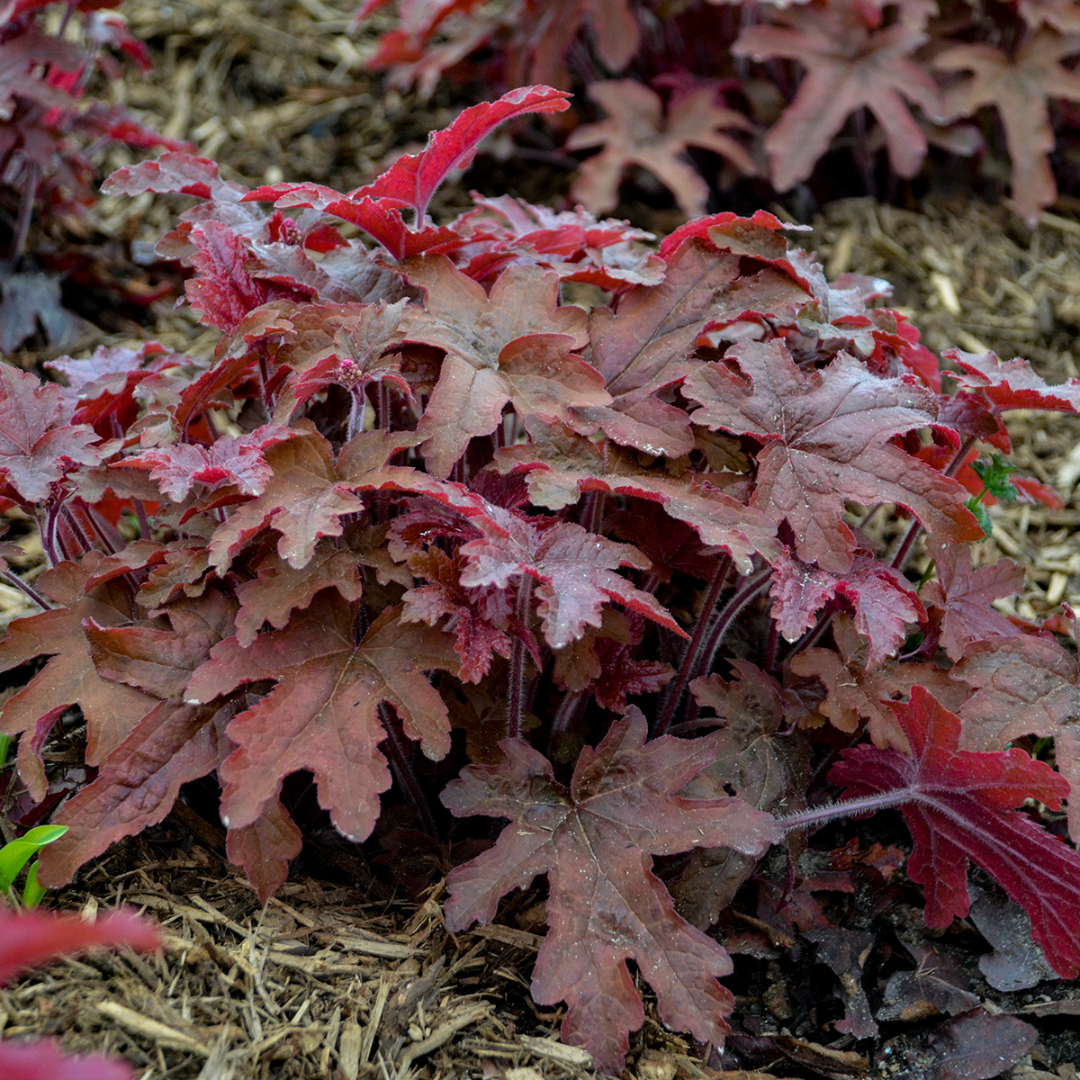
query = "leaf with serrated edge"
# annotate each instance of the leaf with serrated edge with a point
(827, 439)
(323, 714)
(605, 906)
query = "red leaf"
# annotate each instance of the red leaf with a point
(514, 345)
(605, 906)
(303, 500)
(37, 444)
(962, 808)
(849, 66)
(278, 589)
(478, 618)
(232, 460)
(1012, 384)
(560, 466)
(265, 847)
(323, 714)
(828, 439)
(30, 938)
(636, 133)
(413, 178)
(857, 691)
(965, 595)
(44, 1060)
(1024, 685)
(172, 744)
(174, 173)
(70, 677)
(883, 601)
(575, 568)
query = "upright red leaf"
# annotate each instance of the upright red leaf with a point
(605, 906)
(963, 808)
(413, 178)
(828, 438)
(1012, 384)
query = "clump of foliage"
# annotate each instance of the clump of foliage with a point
(421, 525)
(769, 88)
(49, 134)
(31, 938)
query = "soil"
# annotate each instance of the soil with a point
(345, 974)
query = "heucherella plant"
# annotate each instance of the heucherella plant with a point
(620, 573)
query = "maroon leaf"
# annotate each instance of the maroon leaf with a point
(1024, 685)
(977, 1046)
(1019, 87)
(232, 460)
(1012, 384)
(849, 66)
(498, 350)
(961, 808)
(965, 595)
(37, 444)
(172, 744)
(560, 465)
(575, 568)
(605, 906)
(303, 500)
(858, 691)
(479, 618)
(265, 847)
(828, 439)
(882, 600)
(323, 713)
(70, 677)
(636, 133)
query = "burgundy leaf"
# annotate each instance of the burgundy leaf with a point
(962, 808)
(828, 439)
(265, 847)
(883, 601)
(1024, 685)
(965, 595)
(323, 713)
(605, 906)
(37, 444)
(1013, 384)
(636, 133)
(849, 66)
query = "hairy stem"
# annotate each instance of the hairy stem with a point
(24, 587)
(868, 804)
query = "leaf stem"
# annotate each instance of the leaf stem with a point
(17, 582)
(515, 694)
(398, 751)
(868, 804)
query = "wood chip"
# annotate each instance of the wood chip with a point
(573, 1056)
(152, 1029)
